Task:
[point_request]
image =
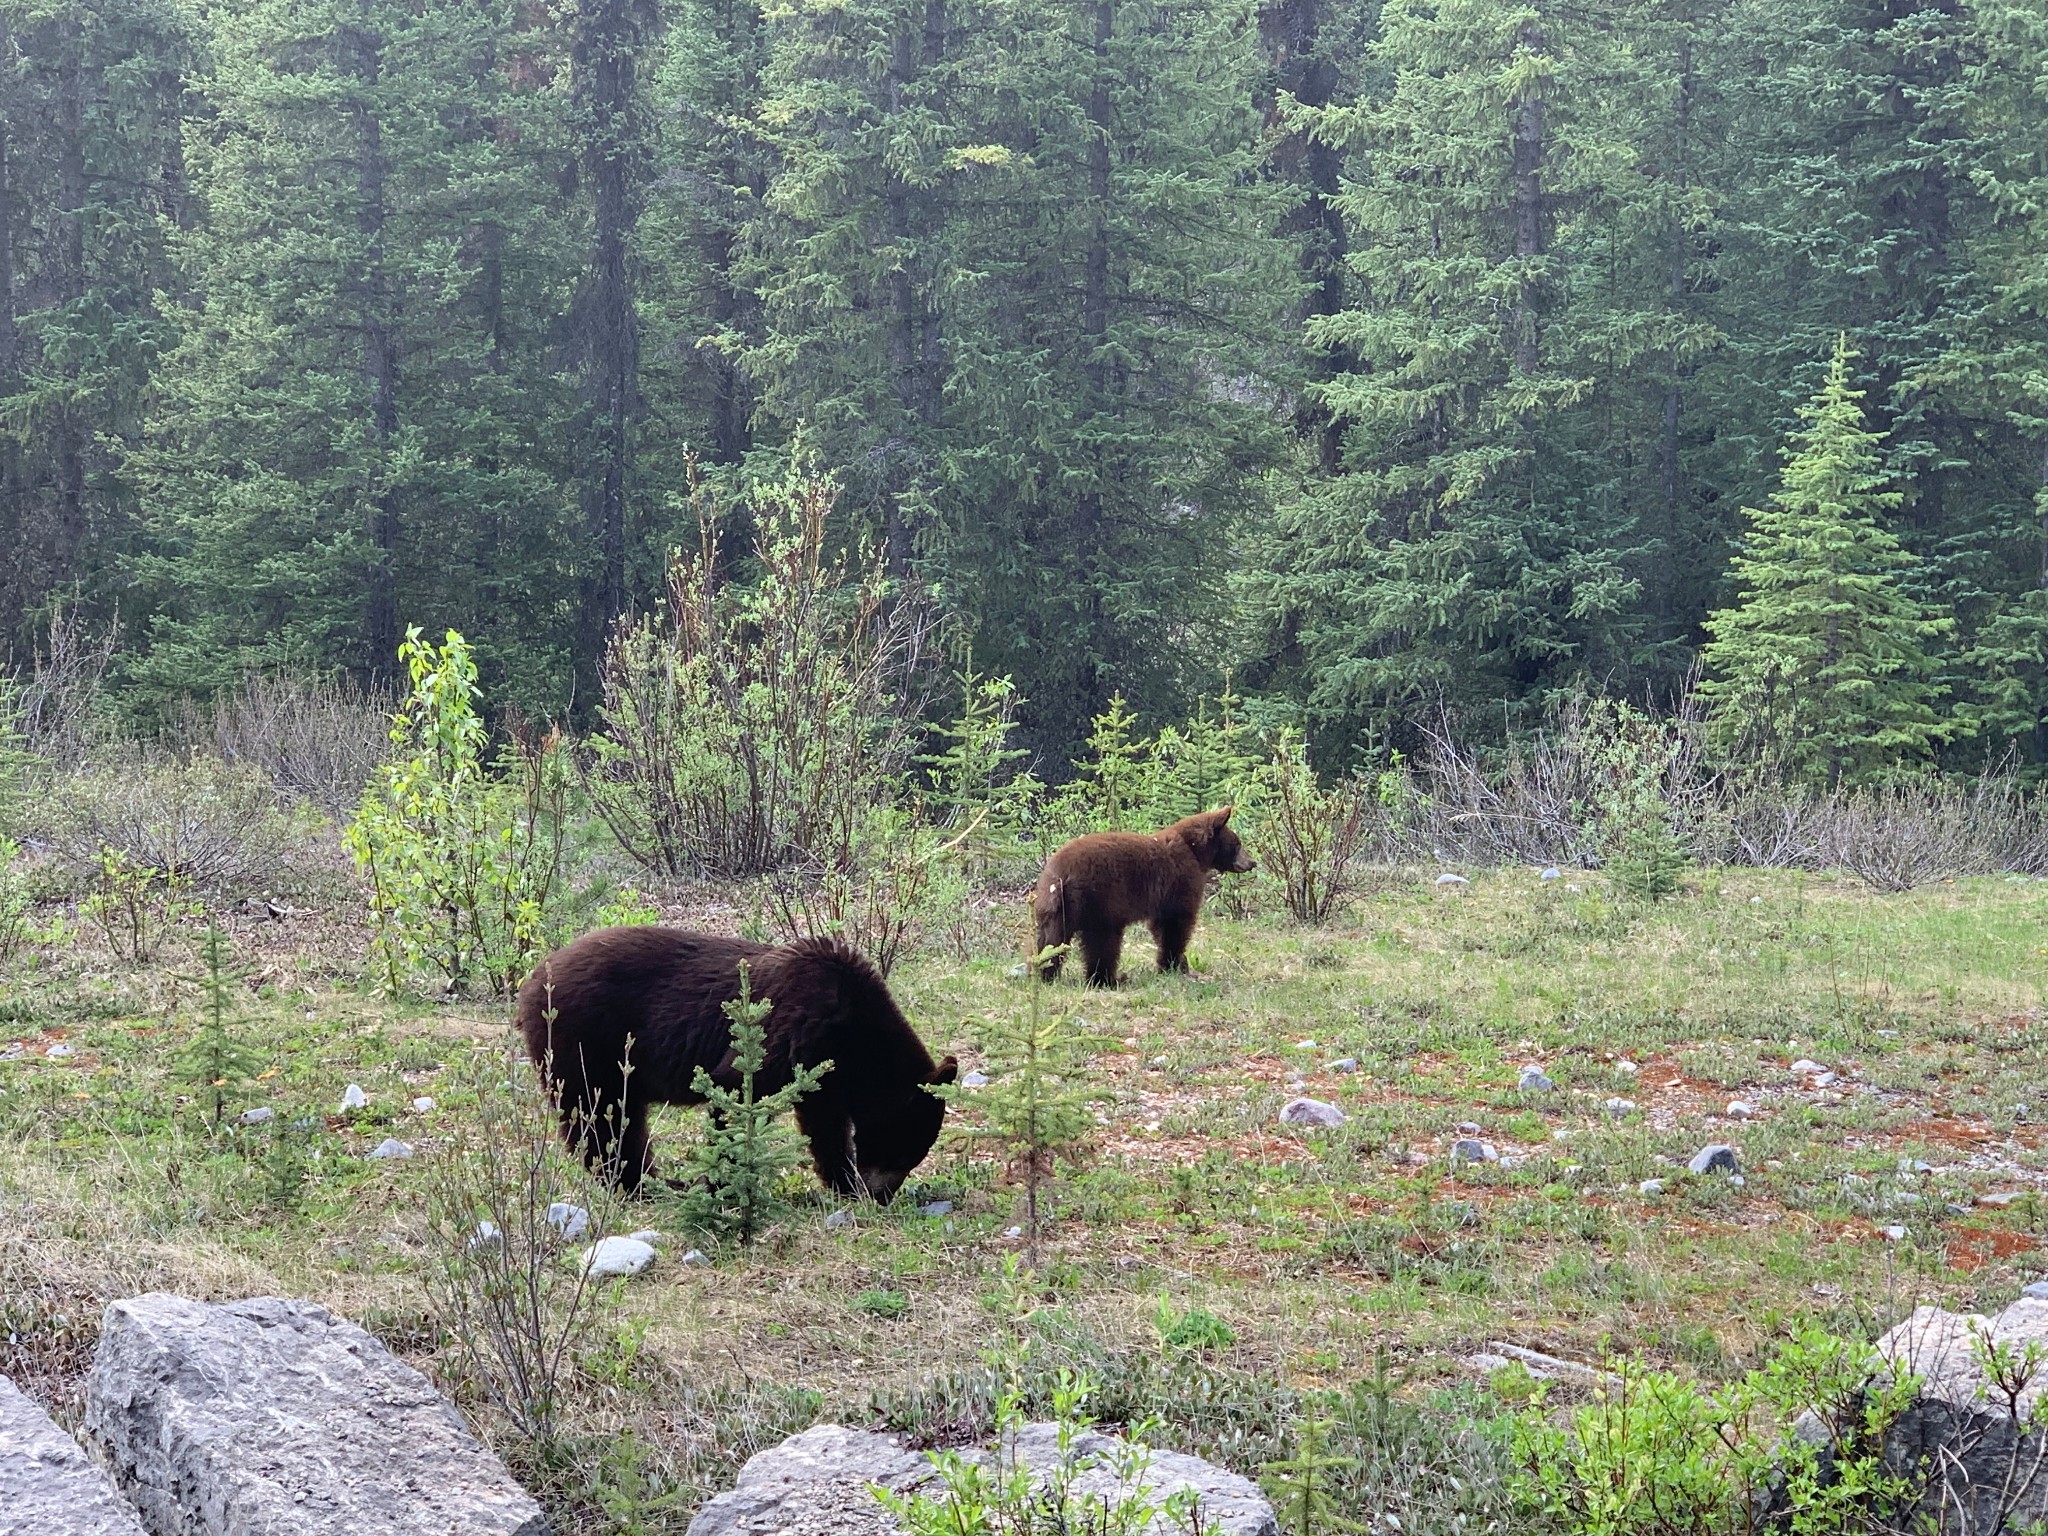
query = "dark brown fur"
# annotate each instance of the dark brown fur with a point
(869, 1123)
(1095, 887)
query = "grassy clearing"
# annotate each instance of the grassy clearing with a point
(1327, 1255)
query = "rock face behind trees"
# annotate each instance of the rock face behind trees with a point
(821, 1483)
(270, 1415)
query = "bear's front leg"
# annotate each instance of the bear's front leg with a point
(1103, 949)
(1173, 930)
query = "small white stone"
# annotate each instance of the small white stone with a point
(1534, 1079)
(391, 1147)
(263, 1114)
(1805, 1068)
(1156, 1061)
(422, 1105)
(1550, 874)
(974, 1080)
(352, 1098)
(1304, 1045)
(1896, 1233)
(838, 1220)
(1650, 1187)
(695, 1259)
(1740, 1109)
(1620, 1109)
(1311, 1112)
(1468, 1150)
(1013, 1231)
(486, 1233)
(58, 1051)
(1452, 880)
(645, 1235)
(1344, 1064)
(618, 1256)
(1627, 1067)
(572, 1221)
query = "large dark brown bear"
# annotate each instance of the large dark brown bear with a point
(869, 1123)
(1097, 886)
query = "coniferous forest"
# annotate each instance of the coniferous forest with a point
(1379, 356)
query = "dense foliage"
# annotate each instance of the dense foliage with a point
(1372, 352)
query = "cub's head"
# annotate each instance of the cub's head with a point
(889, 1144)
(1212, 841)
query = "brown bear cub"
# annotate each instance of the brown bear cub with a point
(870, 1121)
(1096, 886)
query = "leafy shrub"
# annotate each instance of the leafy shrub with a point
(462, 861)
(744, 1153)
(1633, 756)
(982, 798)
(1307, 835)
(1657, 1455)
(744, 728)
(317, 740)
(134, 905)
(196, 820)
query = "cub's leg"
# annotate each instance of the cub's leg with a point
(1173, 930)
(1102, 948)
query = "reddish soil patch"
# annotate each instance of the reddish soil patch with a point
(1971, 1248)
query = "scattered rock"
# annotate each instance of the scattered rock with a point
(974, 1080)
(1304, 1045)
(1619, 1109)
(273, 1415)
(1156, 1061)
(1737, 1181)
(2001, 1199)
(1914, 1165)
(422, 1105)
(484, 1236)
(1468, 1127)
(391, 1147)
(1534, 1079)
(1804, 1068)
(1013, 1231)
(1344, 1064)
(819, 1483)
(936, 1208)
(1311, 1112)
(1650, 1187)
(1468, 1150)
(263, 1114)
(618, 1256)
(646, 1235)
(838, 1220)
(48, 1486)
(696, 1259)
(1627, 1068)
(1460, 1213)
(1550, 874)
(1452, 880)
(1895, 1233)
(572, 1221)
(1543, 1366)
(58, 1051)
(1716, 1157)
(353, 1098)
(2035, 1290)
(1740, 1109)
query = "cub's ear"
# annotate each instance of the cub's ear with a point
(944, 1073)
(1224, 814)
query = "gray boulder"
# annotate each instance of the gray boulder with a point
(1311, 1112)
(821, 1483)
(1716, 1157)
(268, 1415)
(47, 1486)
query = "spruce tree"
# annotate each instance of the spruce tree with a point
(1821, 666)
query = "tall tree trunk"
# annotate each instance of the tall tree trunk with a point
(1294, 42)
(1665, 563)
(608, 35)
(364, 61)
(1527, 207)
(67, 434)
(1095, 340)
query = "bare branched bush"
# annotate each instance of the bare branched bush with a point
(1761, 824)
(194, 819)
(897, 881)
(508, 1210)
(318, 740)
(1895, 836)
(745, 729)
(58, 703)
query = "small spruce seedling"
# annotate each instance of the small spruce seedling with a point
(217, 1061)
(744, 1153)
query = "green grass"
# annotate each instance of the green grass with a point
(1311, 1253)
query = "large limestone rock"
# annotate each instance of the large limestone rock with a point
(47, 1486)
(821, 1483)
(273, 1418)
(1983, 1471)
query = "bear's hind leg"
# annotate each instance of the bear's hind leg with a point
(1103, 949)
(1173, 930)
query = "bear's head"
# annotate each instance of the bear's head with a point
(1218, 847)
(889, 1144)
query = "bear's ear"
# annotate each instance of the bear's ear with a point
(944, 1072)
(1224, 815)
